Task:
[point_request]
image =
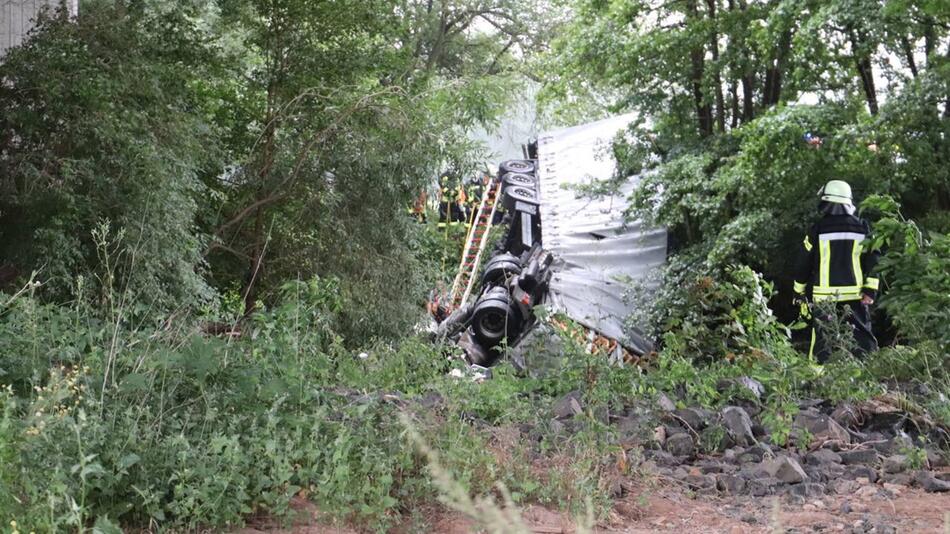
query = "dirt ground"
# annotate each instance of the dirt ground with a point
(657, 506)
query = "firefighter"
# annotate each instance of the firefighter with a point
(451, 202)
(418, 208)
(836, 265)
(473, 193)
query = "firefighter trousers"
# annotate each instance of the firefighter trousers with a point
(858, 318)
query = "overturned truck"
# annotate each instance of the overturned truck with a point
(572, 253)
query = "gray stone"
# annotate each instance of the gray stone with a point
(661, 458)
(701, 481)
(854, 472)
(937, 458)
(633, 428)
(895, 463)
(730, 484)
(845, 487)
(894, 445)
(696, 418)
(568, 406)
(808, 490)
(903, 479)
(760, 487)
(738, 425)
(859, 456)
(821, 427)
(712, 466)
(846, 415)
(730, 456)
(665, 403)
(786, 469)
(822, 457)
(931, 484)
(679, 445)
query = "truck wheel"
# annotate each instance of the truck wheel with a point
(517, 165)
(494, 318)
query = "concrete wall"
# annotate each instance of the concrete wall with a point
(18, 16)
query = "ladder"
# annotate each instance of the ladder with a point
(475, 244)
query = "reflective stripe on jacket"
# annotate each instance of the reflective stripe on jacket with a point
(834, 263)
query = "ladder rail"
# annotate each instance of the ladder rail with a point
(481, 247)
(468, 243)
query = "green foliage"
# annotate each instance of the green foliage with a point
(916, 272)
(97, 125)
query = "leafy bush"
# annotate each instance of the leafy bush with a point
(915, 271)
(97, 124)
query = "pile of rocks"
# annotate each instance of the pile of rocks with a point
(827, 449)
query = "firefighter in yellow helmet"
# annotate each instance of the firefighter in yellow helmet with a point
(451, 201)
(835, 264)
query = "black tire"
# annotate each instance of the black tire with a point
(514, 179)
(494, 318)
(516, 193)
(517, 165)
(499, 268)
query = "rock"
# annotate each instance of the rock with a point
(859, 456)
(821, 427)
(894, 445)
(701, 481)
(937, 458)
(895, 463)
(867, 492)
(808, 490)
(710, 466)
(753, 471)
(822, 457)
(738, 425)
(633, 428)
(752, 386)
(715, 438)
(898, 478)
(786, 469)
(846, 415)
(931, 484)
(696, 418)
(679, 445)
(845, 487)
(568, 406)
(661, 458)
(731, 484)
(665, 403)
(895, 489)
(824, 473)
(659, 434)
(730, 456)
(760, 487)
(854, 472)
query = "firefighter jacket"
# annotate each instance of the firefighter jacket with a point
(835, 263)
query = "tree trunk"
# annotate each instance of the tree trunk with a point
(909, 54)
(717, 78)
(772, 91)
(748, 97)
(862, 60)
(698, 61)
(734, 97)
